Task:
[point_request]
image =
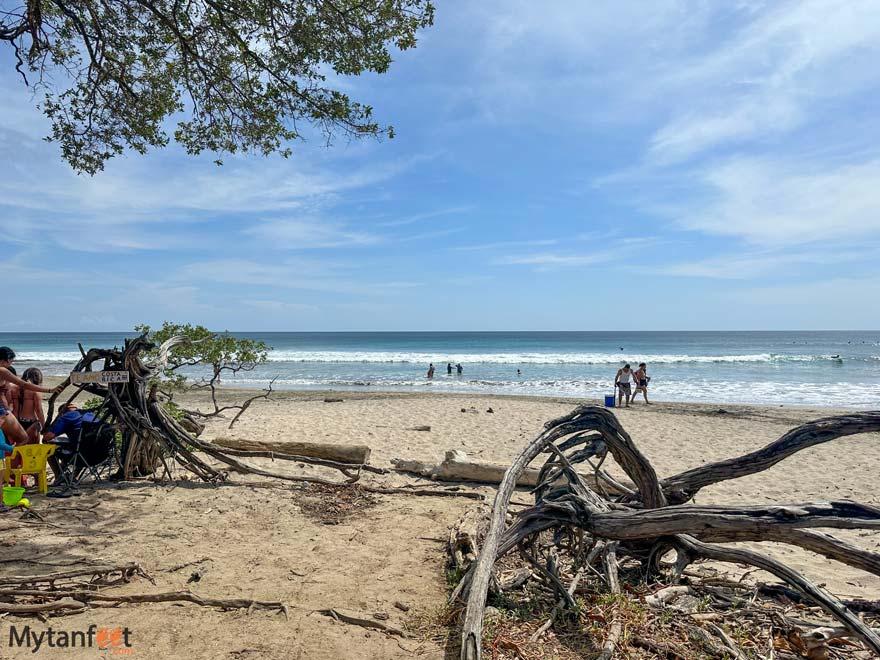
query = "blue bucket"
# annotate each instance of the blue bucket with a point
(609, 401)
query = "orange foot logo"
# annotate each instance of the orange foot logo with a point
(115, 639)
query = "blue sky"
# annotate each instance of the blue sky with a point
(557, 166)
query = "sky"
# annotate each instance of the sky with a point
(654, 165)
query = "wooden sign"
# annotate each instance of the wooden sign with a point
(103, 377)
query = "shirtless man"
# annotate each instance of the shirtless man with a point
(623, 383)
(10, 426)
(642, 382)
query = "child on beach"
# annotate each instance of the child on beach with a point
(5, 447)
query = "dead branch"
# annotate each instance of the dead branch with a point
(355, 620)
(572, 517)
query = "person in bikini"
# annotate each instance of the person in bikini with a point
(28, 405)
(8, 392)
(642, 379)
(10, 426)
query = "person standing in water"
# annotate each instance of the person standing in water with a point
(641, 377)
(449, 368)
(623, 383)
(431, 371)
(458, 368)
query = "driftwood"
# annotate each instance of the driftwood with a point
(457, 466)
(357, 620)
(71, 592)
(153, 437)
(574, 523)
(349, 454)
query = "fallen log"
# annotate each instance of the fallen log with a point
(352, 454)
(457, 466)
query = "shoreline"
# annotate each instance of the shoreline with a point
(242, 393)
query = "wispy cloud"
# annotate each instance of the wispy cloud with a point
(306, 275)
(280, 306)
(767, 77)
(737, 266)
(308, 233)
(504, 245)
(549, 260)
(420, 217)
(779, 201)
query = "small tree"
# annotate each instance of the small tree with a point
(220, 353)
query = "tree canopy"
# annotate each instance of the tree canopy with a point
(236, 75)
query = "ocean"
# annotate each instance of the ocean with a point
(790, 368)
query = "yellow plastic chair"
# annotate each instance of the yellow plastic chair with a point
(33, 461)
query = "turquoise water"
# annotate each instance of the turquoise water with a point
(721, 367)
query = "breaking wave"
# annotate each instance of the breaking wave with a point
(403, 357)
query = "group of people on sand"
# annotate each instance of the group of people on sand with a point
(458, 368)
(22, 419)
(21, 403)
(624, 381)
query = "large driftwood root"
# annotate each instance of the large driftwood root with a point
(153, 438)
(589, 538)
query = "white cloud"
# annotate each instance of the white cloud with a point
(768, 77)
(549, 260)
(427, 215)
(778, 202)
(753, 265)
(308, 233)
(504, 244)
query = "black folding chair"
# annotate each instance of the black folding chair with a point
(92, 452)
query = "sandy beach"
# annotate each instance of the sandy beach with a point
(247, 540)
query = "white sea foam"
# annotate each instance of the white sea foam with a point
(406, 357)
(696, 390)
(534, 358)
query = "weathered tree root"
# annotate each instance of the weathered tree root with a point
(71, 592)
(364, 622)
(639, 522)
(73, 601)
(153, 437)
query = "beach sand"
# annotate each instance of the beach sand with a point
(260, 543)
